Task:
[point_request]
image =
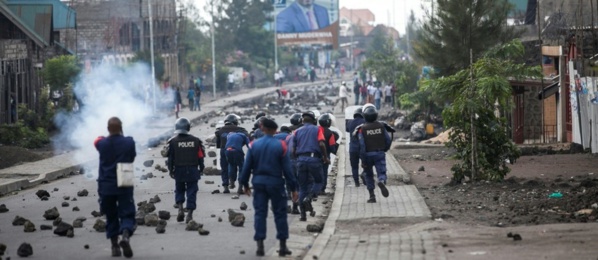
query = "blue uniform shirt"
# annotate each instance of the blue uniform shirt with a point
(236, 141)
(354, 144)
(113, 149)
(268, 159)
(306, 139)
(282, 136)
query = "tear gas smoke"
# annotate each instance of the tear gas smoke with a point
(105, 92)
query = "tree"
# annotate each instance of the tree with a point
(480, 96)
(60, 71)
(460, 25)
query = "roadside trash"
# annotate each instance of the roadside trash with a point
(555, 195)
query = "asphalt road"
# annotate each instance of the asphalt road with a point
(223, 242)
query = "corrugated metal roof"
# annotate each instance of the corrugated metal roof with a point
(22, 25)
(36, 17)
(63, 17)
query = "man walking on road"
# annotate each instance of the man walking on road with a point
(354, 145)
(235, 156)
(117, 203)
(310, 151)
(231, 125)
(374, 141)
(185, 163)
(268, 160)
(343, 92)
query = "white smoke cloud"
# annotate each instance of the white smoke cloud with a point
(105, 92)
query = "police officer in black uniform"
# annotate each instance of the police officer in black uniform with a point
(374, 141)
(185, 163)
(330, 141)
(296, 122)
(231, 124)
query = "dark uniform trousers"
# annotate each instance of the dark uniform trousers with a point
(186, 178)
(224, 167)
(373, 142)
(277, 194)
(309, 176)
(235, 161)
(120, 212)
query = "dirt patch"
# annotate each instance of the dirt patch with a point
(13, 155)
(522, 199)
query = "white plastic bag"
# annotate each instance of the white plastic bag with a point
(125, 175)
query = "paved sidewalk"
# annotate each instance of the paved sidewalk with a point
(356, 229)
(34, 173)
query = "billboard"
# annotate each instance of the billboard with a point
(306, 22)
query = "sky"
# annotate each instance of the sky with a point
(393, 13)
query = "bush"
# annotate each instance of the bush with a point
(21, 135)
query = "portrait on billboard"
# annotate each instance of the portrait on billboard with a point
(302, 16)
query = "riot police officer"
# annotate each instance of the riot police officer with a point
(330, 137)
(231, 125)
(296, 123)
(310, 151)
(235, 156)
(185, 163)
(354, 145)
(374, 141)
(256, 132)
(268, 161)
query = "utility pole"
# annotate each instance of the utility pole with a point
(275, 42)
(351, 46)
(151, 28)
(213, 52)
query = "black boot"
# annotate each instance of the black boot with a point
(356, 181)
(307, 205)
(189, 216)
(295, 210)
(284, 250)
(124, 244)
(115, 247)
(181, 216)
(372, 197)
(226, 190)
(303, 213)
(383, 189)
(260, 248)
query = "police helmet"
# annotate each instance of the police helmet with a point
(325, 120)
(260, 114)
(366, 106)
(257, 122)
(182, 126)
(231, 119)
(309, 114)
(296, 119)
(358, 113)
(370, 114)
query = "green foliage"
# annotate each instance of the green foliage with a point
(146, 57)
(59, 71)
(445, 39)
(481, 97)
(22, 135)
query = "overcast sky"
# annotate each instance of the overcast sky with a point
(388, 12)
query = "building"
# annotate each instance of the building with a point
(113, 31)
(29, 35)
(361, 20)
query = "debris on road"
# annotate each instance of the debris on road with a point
(163, 214)
(99, 226)
(219, 219)
(77, 223)
(215, 191)
(211, 171)
(86, 246)
(2, 249)
(203, 232)
(140, 218)
(57, 221)
(29, 227)
(83, 193)
(45, 227)
(19, 221)
(66, 197)
(146, 207)
(51, 214)
(25, 250)
(3, 208)
(155, 199)
(151, 220)
(42, 193)
(96, 214)
(243, 206)
(209, 182)
(193, 226)
(161, 228)
(315, 228)
(63, 229)
(148, 163)
(235, 218)
(65, 204)
(75, 208)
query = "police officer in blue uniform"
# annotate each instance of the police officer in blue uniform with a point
(117, 203)
(268, 161)
(256, 132)
(296, 123)
(330, 137)
(185, 163)
(235, 156)
(310, 151)
(374, 141)
(354, 145)
(284, 134)
(231, 125)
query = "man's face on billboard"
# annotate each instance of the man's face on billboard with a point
(306, 3)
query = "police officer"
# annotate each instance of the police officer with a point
(117, 203)
(185, 163)
(268, 160)
(310, 151)
(374, 141)
(231, 125)
(330, 137)
(235, 156)
(354, 145)
(256, 132)
(296, 123)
